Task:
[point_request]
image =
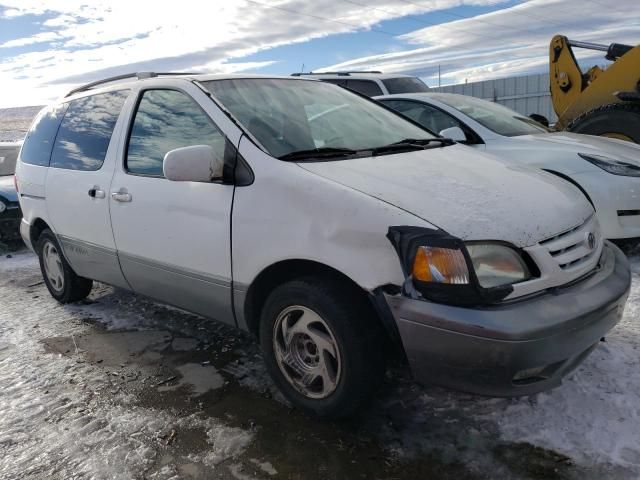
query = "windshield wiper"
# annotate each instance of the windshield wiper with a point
(322, 152)
(425, 141)
(409, 144)
(405, 145)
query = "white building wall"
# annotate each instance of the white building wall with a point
(525, 95)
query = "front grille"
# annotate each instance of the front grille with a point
(577, 246)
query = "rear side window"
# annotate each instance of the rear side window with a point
(365, 87)
(405, 85)
(427, 116)
(166, 120)
(39, 141)
(85, 132)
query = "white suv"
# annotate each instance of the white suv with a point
(328, 225)
(371, 83)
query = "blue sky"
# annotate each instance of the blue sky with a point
(49, 46)
(339, 48)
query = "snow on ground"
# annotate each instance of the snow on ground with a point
(595, 416)
(56, 419)
(226, 442)
(66, 414)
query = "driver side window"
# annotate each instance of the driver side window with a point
(429, 117)
(164, 120)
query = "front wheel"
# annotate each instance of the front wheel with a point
(61, 281)
(619, 120)
(321, 346)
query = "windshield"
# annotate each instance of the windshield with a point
(405, 85)
(495, 117)
(8, 156)
(288, 116)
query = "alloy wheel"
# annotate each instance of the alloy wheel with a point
(306, 352)
(53, 266)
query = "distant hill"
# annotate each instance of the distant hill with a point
(14, 122)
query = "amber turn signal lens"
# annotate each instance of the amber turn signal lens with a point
(440, 265)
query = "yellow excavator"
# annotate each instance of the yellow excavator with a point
(599, 101)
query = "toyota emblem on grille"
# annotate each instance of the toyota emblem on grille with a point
(591, 241)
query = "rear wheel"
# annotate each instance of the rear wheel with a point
(61, 281)
(619, 120)
(321, 346)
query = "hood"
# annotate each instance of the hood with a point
(577, 143)
(7, 188)
(466, 193)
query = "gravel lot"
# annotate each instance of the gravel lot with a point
(121, 387)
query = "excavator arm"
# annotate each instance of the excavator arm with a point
(576, 93)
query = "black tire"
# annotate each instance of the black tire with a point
(74, 287)
(357, 334)
(621, 119)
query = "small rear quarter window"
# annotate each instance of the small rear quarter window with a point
(39, 140)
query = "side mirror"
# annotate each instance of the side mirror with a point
(541, 119)
(198, 163)
(454, 133)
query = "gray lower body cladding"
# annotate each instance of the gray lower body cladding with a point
(518, 348)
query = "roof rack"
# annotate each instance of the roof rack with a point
(138, 75)
(345, 73)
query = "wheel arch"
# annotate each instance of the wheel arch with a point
(36, 229)
(280, 272)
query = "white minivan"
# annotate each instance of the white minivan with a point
(335, 243)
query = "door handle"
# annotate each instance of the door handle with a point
(121, 196)
(95, 192)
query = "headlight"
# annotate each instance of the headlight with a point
(497, 264)
(444, 269)
(3, 207)
(612, 166)
(493, 264)
(440, 265)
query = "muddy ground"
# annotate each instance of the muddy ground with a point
(121, 387)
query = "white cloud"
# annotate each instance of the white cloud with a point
(38, 38)
(59, 21)
(107, 37)
(511, 41)
(232, 67)
(113, 36)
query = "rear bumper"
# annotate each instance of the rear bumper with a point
(25, 229)
(518, 348)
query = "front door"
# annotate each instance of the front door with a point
(77, 185)
(173, 238)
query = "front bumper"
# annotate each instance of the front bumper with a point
(617, 203)
(518, 348)
(10, 224)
